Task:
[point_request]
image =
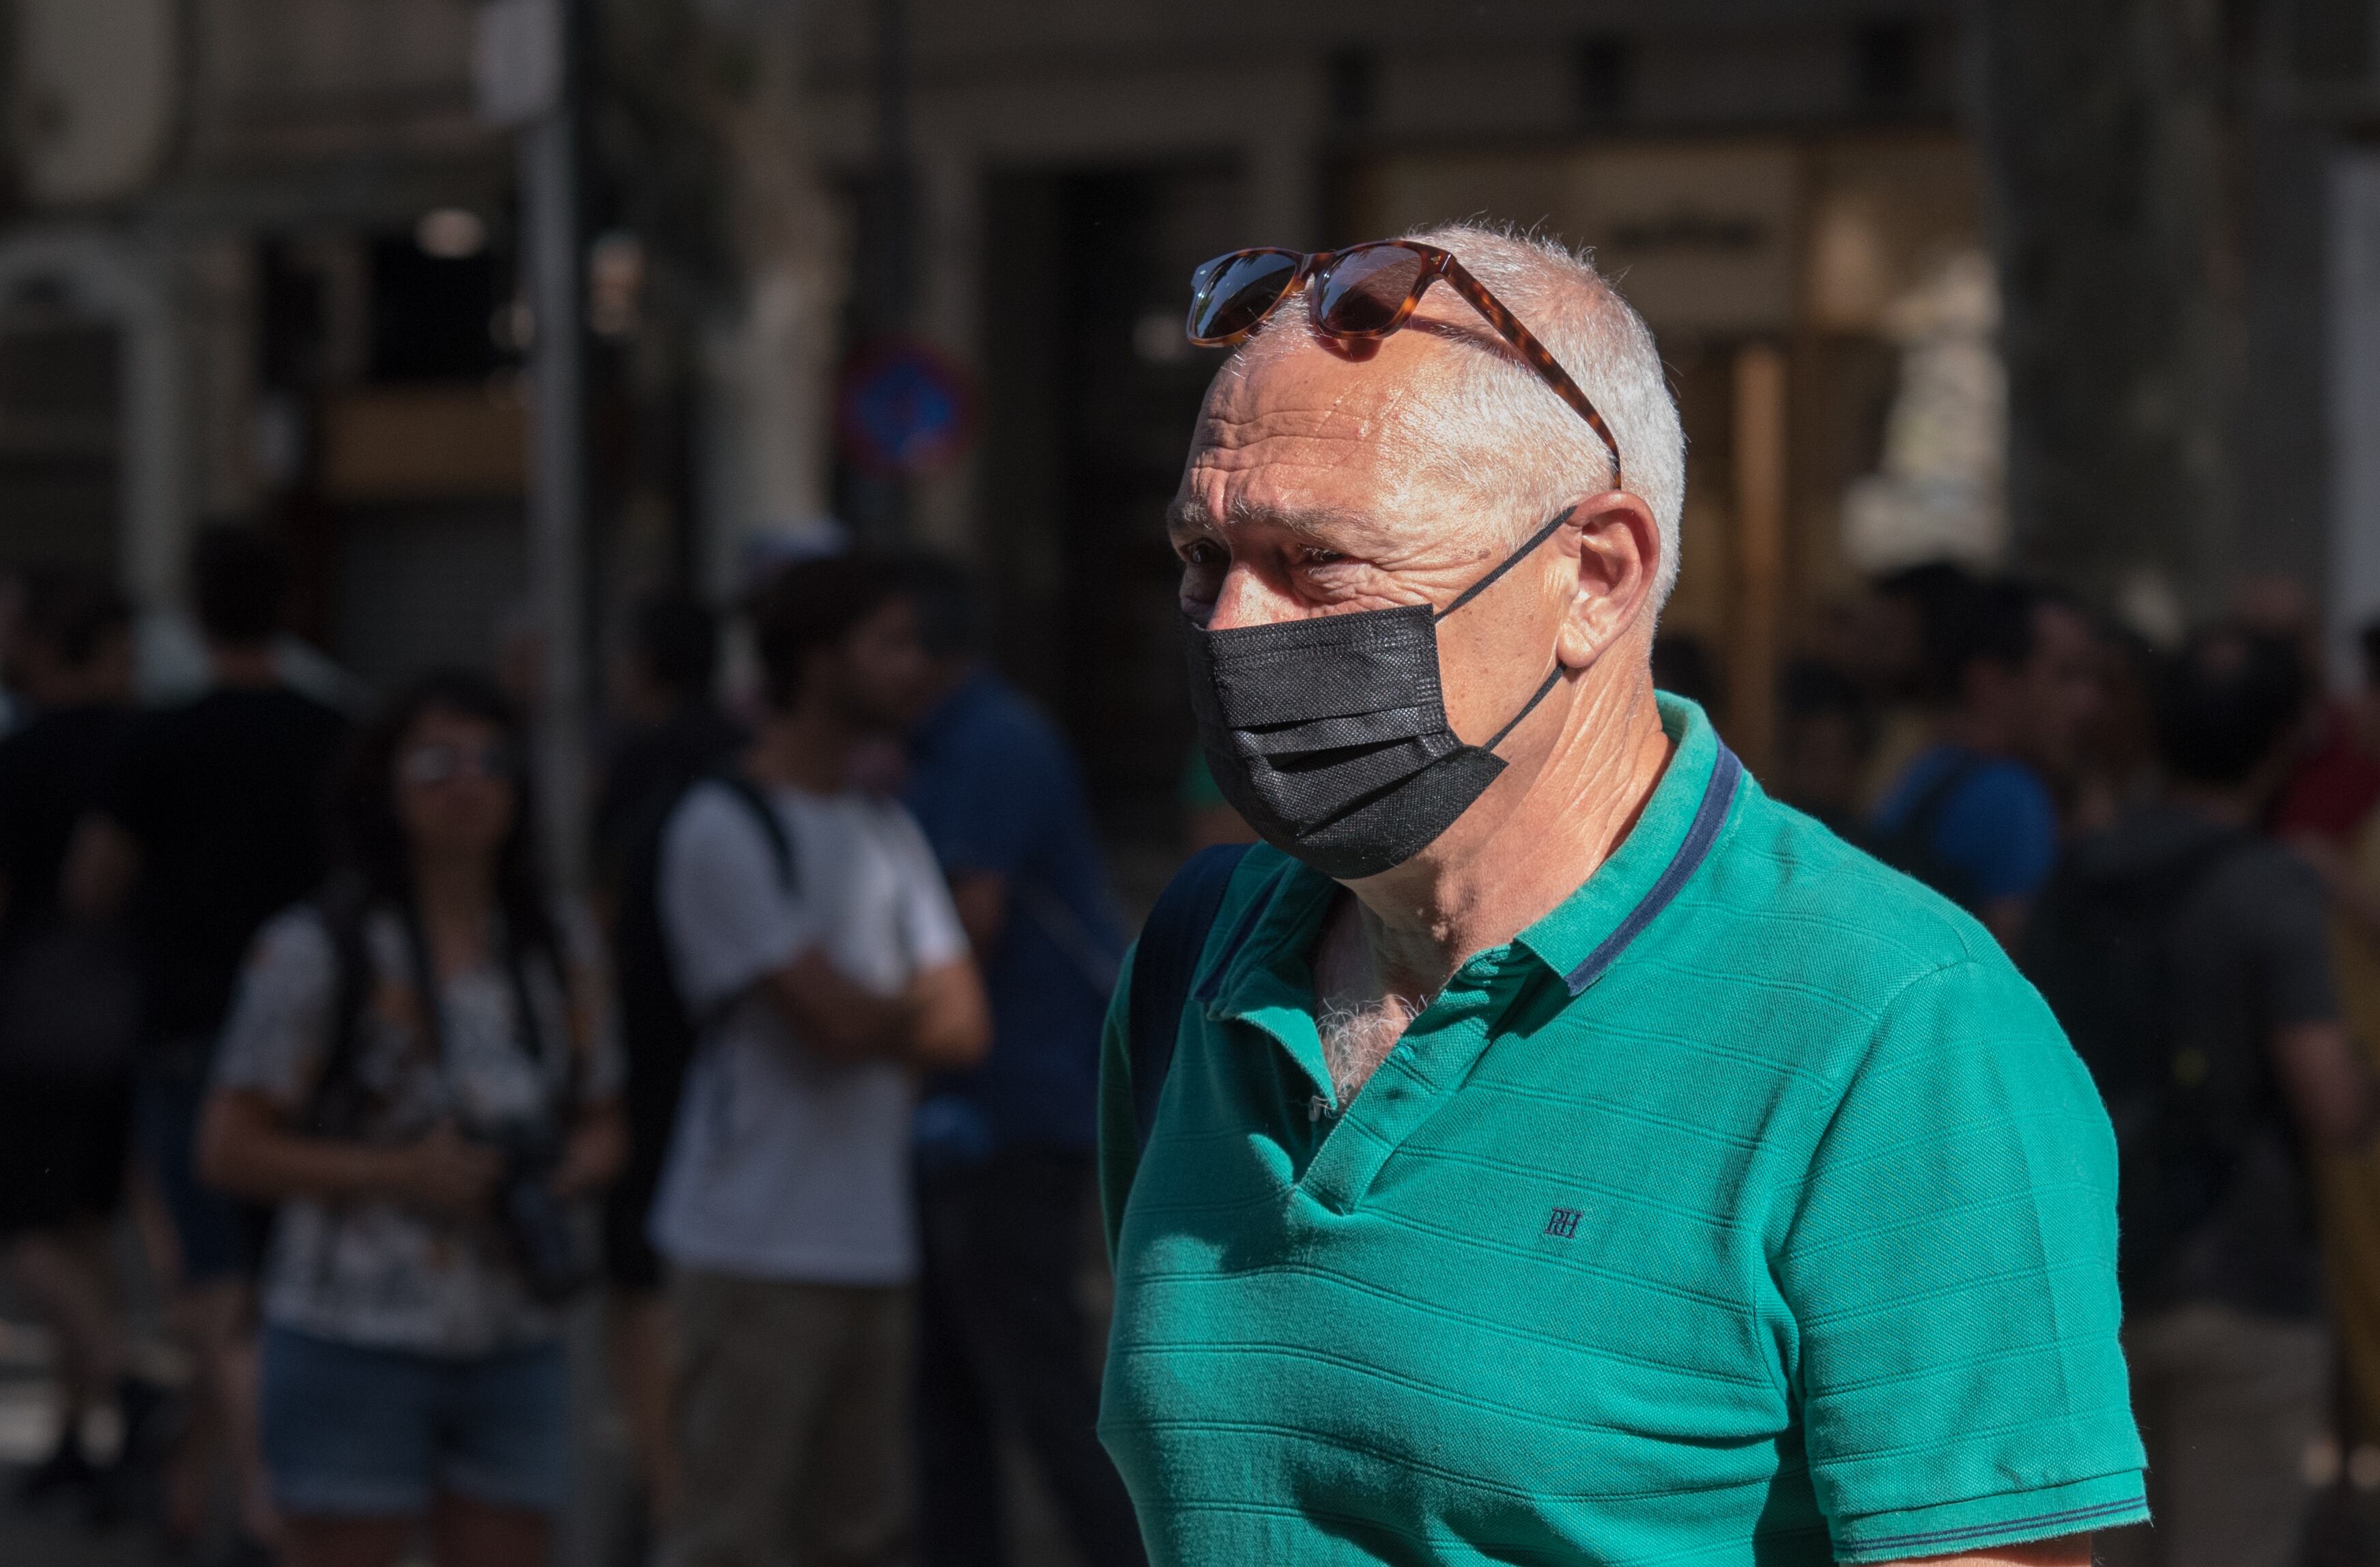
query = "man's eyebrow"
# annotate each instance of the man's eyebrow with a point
(1190, 516)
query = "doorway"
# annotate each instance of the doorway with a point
(1087, 281)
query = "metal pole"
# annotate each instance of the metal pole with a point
(893, 175)
(557, 508)
(880, 503)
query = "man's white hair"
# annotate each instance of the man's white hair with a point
(1492, 428)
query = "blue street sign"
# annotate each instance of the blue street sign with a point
(905, 408)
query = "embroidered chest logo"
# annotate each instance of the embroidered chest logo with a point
(1562, 1224)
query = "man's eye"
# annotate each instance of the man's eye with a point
(1202, 552)
(1322, 557)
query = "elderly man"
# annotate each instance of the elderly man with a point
(1548, 1148)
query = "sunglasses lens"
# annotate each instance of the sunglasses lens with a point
(1231, 295)
(1365, 289)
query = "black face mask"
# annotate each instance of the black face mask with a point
(1330, 735)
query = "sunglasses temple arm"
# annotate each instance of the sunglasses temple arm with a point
(1540, 358)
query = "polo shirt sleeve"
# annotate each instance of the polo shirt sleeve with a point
(1119, 1129)
(1950, 1270)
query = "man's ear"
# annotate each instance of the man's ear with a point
(1615, 547)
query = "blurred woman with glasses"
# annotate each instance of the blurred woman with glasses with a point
(421, 1070)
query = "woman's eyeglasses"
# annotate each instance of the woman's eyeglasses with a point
(442, 763)
(1364, 292)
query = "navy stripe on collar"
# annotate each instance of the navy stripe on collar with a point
(1709, 817)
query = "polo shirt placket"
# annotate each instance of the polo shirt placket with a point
(1271, 990)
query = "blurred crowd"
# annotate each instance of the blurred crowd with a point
(800, 1096)
(802, 1093)
(2180, 847)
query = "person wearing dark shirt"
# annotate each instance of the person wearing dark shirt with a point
(66, 1020)
(2230, 1356)
(2331, 798)
(672, 733)
(1824, 732)
(1005, 1148)
(671, 730)
(210, 825)
(2016, 677)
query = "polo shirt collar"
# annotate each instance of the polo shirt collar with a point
(1585, 933)
(1267, 978)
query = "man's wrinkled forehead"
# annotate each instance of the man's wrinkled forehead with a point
(1302, 436)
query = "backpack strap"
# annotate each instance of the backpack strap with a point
(329, 1109)
(1165, 966)
(763, 815)
(772, 826)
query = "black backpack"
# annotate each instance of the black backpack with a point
(1165, 966)
(2099, 948)
(657, 1028)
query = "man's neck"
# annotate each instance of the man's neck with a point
(242, 667)
(808, 749)
(1422, 920)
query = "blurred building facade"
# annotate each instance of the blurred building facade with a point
(219, 305)
(259, 262)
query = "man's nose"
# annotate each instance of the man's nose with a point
(1246, 599)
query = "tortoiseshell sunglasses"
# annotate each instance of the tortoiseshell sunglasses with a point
(1364, 292)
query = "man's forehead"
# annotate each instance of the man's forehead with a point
(1303, 436)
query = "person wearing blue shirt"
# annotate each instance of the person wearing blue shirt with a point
(1005, 1148)
(1972, 814)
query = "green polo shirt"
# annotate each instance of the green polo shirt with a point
(1747, 1207)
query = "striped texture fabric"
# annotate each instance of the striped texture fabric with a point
(1787, 1236)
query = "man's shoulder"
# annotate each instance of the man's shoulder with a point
(729, 800)
(1832, 968)
(1790, 901)
(240, 719)
(1257, 875)
(717, 815)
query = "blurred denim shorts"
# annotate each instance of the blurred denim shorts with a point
(354, 1432)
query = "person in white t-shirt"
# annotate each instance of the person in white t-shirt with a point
(813, 938)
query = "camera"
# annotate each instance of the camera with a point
(554, 1258)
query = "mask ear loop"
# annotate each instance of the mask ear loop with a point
(1509, 561)
(1526, 708)
(1554, 676)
